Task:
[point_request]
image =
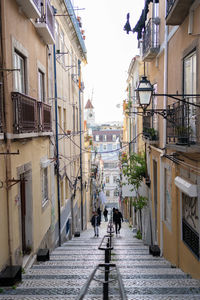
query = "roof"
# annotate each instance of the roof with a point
(89, 104)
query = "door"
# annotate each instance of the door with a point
(155, 197)
(23, 212)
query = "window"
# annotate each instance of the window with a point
(104, 138)
(62, 200)
(190, 223)
(64, 120)
(66, 188)
(62, 46)
(114, 179)
(44, 185)
(114, 137)
(19, 76)
(114, 146)
(57, 35)
(107, 179)
(97, 138)
(77, 119)
(190, 75)
(116, 193)
(104, 147)
(59, 120)
(167, 197)
(41, 86)
(108, 193)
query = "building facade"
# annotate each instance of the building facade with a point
(169, 44)
(42, 177)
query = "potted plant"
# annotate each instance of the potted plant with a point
(183, 134)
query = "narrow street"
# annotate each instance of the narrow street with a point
(144, 276)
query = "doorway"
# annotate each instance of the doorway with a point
(155, 195)
(26, 212)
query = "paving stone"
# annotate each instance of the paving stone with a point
(144, 276)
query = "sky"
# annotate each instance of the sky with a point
(109, 53)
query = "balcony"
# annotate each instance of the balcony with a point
(177, 10)
(149, 133)
(151, 44)
(44, 117)
(183, 125)
(45, 24)
(29, 115)
(31, 8)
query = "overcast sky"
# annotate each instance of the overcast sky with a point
(109, 52)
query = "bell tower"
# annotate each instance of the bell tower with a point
(89, 113)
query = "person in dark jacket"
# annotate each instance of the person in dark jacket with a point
(99, 212)
(117, 218)
(96, 222)
(105, 213)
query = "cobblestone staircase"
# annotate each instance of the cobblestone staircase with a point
(144, 276)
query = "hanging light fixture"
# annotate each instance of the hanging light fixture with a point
(144, 92)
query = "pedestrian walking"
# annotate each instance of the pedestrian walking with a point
(99, 212)
(117, 218)
(105, 213)
(96, 222)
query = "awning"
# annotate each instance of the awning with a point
(186, 187)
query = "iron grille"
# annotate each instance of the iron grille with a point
(170, 4)
(38, 4)
(148, 131)
(151, 37)
(190, 237)
(182, 124)
(24, 113)
(44, 117)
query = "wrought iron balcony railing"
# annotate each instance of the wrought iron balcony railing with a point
(29, 115)
(44, 117)
(46, 24)
(190, 237)
(182, 124)
(148, 131)
(170, 4)
(151, 44)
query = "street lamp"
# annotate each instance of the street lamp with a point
(144, 92)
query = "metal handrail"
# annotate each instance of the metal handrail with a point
(107, 269)
(85, 287)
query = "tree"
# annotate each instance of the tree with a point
(134, 169)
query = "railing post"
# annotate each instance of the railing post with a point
(107, 269)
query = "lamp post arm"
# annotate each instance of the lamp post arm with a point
(175, 97)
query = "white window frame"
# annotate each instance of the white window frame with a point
(104, 138)
(41, 86)
(114, 137)
(19, 75)
(97, 138)
(45, 186)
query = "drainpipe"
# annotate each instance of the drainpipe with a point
(57, 148)
(80, 120)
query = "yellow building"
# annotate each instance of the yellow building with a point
(170, 42)
(27, 32)
(70, 52)
(42, 184)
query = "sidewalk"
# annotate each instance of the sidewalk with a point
(144, 276)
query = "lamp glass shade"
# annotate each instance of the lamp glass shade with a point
(144, 91)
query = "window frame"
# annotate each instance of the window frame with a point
(19, 76)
